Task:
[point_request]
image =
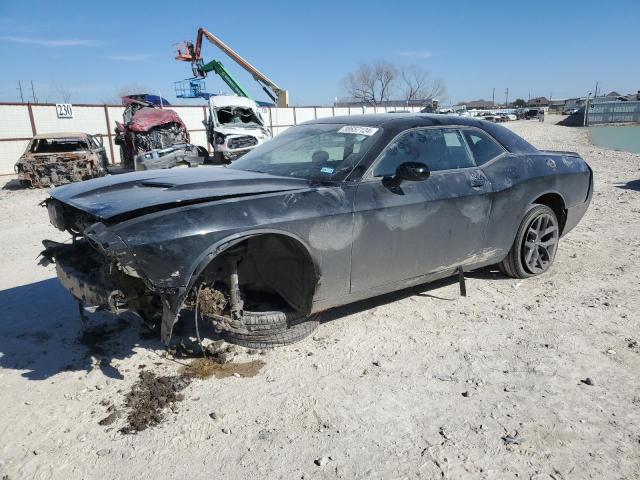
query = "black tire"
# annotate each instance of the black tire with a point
(202, 152)
(520, 262)
(273, 329)
(218, 159)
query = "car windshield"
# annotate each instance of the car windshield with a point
(58, 145)
(237, 117)
(318, 152)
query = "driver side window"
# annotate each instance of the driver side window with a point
(438, 148)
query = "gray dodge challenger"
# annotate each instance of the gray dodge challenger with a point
(329, 212)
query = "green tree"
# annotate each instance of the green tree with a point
(519, 103)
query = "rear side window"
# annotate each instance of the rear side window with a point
(438, 148)
(483, 147)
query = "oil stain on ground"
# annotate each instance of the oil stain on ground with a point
(152, 396)
(203, 368)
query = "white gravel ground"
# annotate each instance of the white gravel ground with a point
(378, 389)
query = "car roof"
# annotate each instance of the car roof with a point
(398, 120)
(61, 135)
(396, 123)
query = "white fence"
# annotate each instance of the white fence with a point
(20, 122)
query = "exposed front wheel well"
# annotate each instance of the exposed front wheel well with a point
(270, 263)
(556, 203)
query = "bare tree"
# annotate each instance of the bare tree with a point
(62, 94)
(371, 83)
(416, 84)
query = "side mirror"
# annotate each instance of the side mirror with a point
(410, 172)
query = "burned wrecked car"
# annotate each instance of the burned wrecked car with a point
(235, 127)
(149, 127)
(59, 158)
(329, 212)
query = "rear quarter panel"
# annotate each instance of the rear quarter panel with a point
(519, 179)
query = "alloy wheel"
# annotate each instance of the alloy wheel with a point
(539, 243)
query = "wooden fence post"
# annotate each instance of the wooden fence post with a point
(106, 118)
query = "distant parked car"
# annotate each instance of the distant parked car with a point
(490, 117)
(570, 111)
(532, 113)
(59, 158)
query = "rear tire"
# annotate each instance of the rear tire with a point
(535, 246)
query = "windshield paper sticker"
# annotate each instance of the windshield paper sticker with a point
(368, 131)
(327, 170)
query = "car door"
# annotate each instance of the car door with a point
(418, 227)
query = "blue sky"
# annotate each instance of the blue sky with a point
(93, 49)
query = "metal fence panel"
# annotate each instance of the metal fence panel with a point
(613, 112)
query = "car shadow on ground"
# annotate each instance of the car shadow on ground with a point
(487, 273)
(13, 184)
(42, 335)
(632, 185)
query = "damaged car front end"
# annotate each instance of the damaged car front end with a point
(235, 127)
(154, 137)
(111, 264)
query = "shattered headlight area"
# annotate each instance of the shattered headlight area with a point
(97, 268)
(64, 217)
(94, 279)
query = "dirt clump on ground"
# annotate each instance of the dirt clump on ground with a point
(207, 367)
(150, 397)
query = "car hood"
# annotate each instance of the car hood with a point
(136, 193)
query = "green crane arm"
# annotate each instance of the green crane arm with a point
(217, 67)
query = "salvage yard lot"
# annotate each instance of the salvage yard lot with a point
(417, 384)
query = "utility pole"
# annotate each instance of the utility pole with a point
(33, 93)
(596, 90)
(585, 119)
(20, 89)
(493, 97)
(506, 98)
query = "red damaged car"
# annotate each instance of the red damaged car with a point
(152, 136)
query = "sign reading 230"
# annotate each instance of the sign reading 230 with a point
(64, 110)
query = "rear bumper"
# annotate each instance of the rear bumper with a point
(575, 213)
